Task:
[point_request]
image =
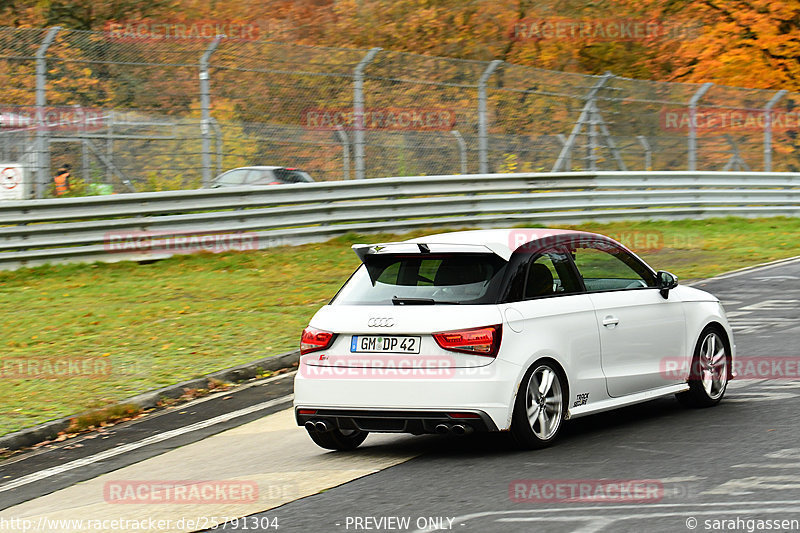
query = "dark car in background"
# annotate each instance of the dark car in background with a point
(260, 175)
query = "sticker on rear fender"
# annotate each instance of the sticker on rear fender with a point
(384, 344)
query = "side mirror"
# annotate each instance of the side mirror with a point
(666, 281)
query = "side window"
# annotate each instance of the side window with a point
(235, 177)
(546, 274)
(260, 177)
(607, 268)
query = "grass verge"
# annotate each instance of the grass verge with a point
(140, 327)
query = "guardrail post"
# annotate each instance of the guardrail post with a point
(205, 105)
(345, 151)
(462, 150)
(483, 123)
(42, 141)
(358, 110)
(693, 123)
(768, 128)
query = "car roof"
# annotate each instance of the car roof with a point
(506, 240)
(256, 167)
(502, 242)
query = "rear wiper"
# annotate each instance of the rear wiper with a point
(412, 301)
(417, 301)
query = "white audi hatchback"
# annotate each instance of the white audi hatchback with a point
(503, 330)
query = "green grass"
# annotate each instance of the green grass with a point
(186, 316)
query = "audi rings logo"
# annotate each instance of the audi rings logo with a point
(380, 322)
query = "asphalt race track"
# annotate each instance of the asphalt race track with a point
(733, 467)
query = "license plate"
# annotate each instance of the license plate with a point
(384, 344)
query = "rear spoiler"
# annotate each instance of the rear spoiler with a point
(392, 248)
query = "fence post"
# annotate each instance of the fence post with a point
(462, 150)
(205, 105)
(110, 146)
(42, 141)
(483, 124)
(693, 123)
(358, 110)
(345, 150)
(648, 152)
(218, 141)
(768, 128)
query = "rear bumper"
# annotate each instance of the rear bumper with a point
(394, 402)
(384, 421)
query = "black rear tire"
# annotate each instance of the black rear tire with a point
(539, 408)
(339, 440)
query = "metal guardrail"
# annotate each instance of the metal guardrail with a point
(151, 225)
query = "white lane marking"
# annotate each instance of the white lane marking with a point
(741, 383)
(594, 524)
(785, 453)
(125, 448)
(747, 270)
(750, 485)
(779, 304)
(235, 389)
(768, 465)
(152, 416)
(791, 506)
(760, 396)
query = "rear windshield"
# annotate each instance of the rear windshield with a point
(292, 176)
(424, 279)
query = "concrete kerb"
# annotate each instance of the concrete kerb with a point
(147, 400)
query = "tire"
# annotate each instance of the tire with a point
(539, 408)
(337, 439)
(708, 376)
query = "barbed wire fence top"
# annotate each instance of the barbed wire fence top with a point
(131, 112)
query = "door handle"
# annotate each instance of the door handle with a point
(610, 321)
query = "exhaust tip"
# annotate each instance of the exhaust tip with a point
(442, 429)
(310, 426)
(321, 426)
(460, 429)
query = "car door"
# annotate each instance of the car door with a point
(549, 315)
(639, 329)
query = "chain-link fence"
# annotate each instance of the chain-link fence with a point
(136, 112)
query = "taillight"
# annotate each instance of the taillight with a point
(314, 339)
(477, 341)
(462, 415)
